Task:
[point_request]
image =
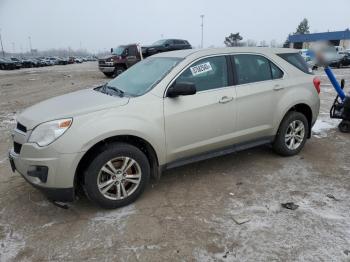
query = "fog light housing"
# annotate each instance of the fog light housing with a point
(40, 172)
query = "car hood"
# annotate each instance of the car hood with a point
(69, 105)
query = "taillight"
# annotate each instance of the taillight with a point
(317, 84)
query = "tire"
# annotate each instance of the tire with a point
(344, 126)
(109, 74)
(96, 180)
(283, 145)
(118, 70)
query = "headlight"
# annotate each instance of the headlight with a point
(46, 133)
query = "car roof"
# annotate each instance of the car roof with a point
(213, 51)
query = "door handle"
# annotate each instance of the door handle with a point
(225, 99)
(278, 87)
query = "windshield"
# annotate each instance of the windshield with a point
(143, 76)
(118, 51)
(159, 42)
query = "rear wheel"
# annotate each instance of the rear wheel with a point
(292, 134)
(117, 176)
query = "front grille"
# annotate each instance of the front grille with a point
(17, 147)
(21, 127)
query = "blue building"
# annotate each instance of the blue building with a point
(336, 38)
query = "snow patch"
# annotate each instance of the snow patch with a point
(321, 127)
(10, 243)
(118, 218)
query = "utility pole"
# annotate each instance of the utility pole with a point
(2, 47)
(30, 44)
(202, 25)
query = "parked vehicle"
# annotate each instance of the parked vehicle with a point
(18, 63)
(6, 64)
(62, 61)
(165, 45)
(346, 59)
(28, 63)
(78, 60)
(310, 58)
(332, 57)
(121, 59)
(168, 110)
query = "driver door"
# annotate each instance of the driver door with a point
(204, 121)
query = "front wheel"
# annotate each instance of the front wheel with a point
(109, 74)
(117, 176)
(292, 134)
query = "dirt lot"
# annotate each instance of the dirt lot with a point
(192, 213)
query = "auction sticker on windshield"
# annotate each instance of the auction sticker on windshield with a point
(200, 69)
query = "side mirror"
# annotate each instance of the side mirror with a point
(181, 89)
(167, 45)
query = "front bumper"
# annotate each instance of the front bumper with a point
(45, 169)
(106, 69)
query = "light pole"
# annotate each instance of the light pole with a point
(30, 44)
(2, 47)
(202, 25)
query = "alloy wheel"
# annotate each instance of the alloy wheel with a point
(295, 134)
(119, 178)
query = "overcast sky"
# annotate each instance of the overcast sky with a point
(100, 25)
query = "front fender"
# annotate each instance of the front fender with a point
(88, 130)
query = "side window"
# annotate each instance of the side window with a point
(252, 68)
(132, 51)
(170, 42)
(178, 42)
(208, 73)
(275, 71)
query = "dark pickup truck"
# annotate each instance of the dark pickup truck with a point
(125, 56)
(121, 58)
(165, 45)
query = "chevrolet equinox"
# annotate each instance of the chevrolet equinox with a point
(168, 110)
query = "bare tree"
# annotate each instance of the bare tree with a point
(273, 43)
(263, 43)
(251, 42)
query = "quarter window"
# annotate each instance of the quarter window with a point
(206, 74)
(276, 72)
(255, 68)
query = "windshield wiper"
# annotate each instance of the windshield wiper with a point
(106, 88)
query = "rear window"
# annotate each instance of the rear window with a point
(296, 60)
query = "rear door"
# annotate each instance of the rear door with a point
(204, 121)
(259, 82)
(132, 57)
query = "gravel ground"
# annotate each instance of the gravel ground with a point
(223, 209)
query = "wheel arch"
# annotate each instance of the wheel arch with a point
(136, 141)
(301, 108)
